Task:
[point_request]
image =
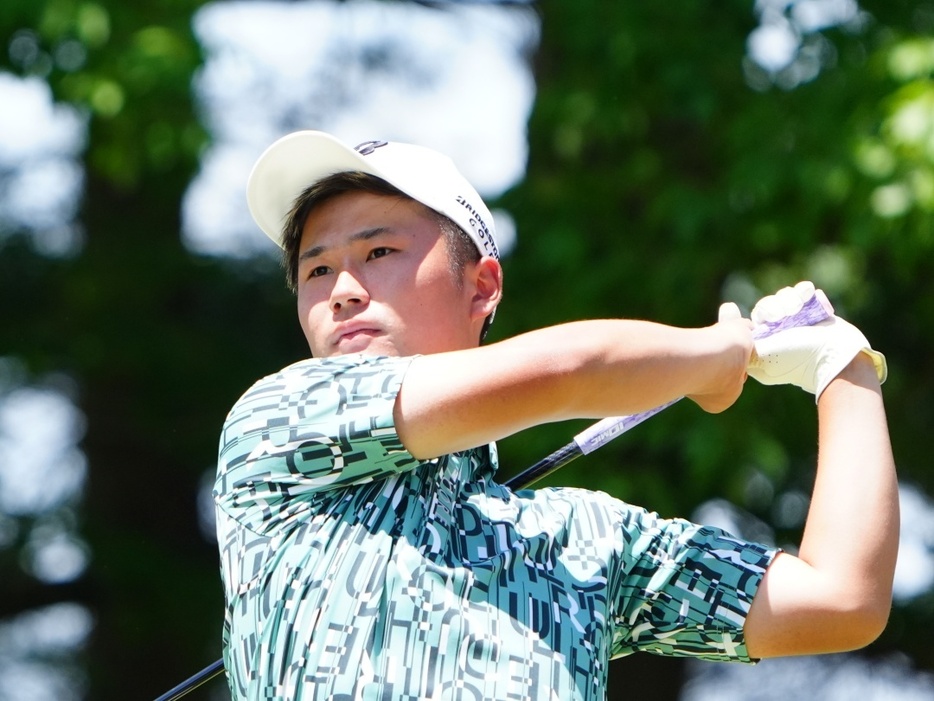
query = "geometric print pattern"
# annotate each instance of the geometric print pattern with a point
(353, 571)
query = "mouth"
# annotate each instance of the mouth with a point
(350, 335)
(353, 339)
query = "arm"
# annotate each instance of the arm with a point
(836, 594)
(589, 369)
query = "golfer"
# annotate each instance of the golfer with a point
(367, 551)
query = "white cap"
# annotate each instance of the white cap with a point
(302, 158)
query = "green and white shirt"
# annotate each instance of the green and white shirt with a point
(353, 571)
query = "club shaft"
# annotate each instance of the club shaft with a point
(192, 683)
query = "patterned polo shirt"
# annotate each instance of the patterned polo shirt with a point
(351, 570)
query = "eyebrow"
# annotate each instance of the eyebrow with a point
(364, 235)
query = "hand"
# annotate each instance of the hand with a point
(735, 333)
(810, 356)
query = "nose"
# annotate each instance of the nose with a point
(348, 290)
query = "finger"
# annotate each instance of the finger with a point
(767, 309)
(789, 301)
(805, 290)
(729, 311)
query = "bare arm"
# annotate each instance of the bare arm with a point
(589, 369)
(836, 594)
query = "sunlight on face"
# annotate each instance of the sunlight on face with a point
(374, 277)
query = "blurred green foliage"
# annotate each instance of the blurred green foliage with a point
(667, 173)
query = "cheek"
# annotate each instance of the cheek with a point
(437, 276)
(308, 309)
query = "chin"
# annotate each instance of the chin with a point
(386, 349)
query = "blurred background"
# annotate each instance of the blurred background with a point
(643, 159)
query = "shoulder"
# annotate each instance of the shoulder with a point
(344, 379)
(339, 368)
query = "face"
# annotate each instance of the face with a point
(374, 277)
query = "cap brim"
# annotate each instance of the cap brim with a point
(288, 167)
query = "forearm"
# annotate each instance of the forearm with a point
(852, 527)
(835, 595)
(623, 367)
(591, 369)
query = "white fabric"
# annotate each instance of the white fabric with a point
(810, 356)
(302, 158)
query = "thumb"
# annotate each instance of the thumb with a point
(729, 311)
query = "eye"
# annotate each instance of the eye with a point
(318, 271)
(379, 252)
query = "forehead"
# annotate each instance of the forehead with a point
(350, 213)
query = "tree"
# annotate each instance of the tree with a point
(667, 171)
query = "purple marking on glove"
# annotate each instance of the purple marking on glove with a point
(813, 311)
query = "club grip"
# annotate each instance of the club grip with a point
(813, 311)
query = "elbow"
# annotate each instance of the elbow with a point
(874, 619)
(863, 623)
(873, 605)
(802, 611)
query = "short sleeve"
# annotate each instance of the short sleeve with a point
(317, 425)
(685, 589)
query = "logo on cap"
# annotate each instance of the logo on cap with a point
(368, 147)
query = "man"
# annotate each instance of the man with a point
(367, 551)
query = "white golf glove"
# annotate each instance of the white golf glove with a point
(807, 356)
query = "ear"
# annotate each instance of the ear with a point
(487, 277)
